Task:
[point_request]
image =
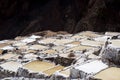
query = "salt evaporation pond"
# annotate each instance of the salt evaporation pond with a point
(38, 66)
(112, 73)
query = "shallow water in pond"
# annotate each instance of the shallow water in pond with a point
(38, 66)
(109, 74)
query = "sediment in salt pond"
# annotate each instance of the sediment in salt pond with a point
(112, 73)
(38, 66)
(62, 56)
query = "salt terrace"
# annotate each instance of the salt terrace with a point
(86, 55)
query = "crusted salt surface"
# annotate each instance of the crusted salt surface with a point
(47, 41)
(58, 48)
(65, 73)
(71, 45)
(92, 67)
(30, 56)
(7, 56)
(19, 44)
(75, 43)
(78, 37)
(30, 51)
(79, 48)
(34, 37)
(1, 51)
(89, 34)
(26, 47)
(37, 47)
(102, 39)
(20, 78)
(92, 56)
(112, 33)
(62, 41)
(11, 66)
(7, 48)
(3, 41)
(115, 43)
(28, 40)
(50, 51)
(3, 45)
(92, 43)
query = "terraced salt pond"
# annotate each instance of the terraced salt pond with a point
(50, 51)
(92, 67)
(3, 45)
(38, 66)
(80, 48)
(65, 73)
(112, 33)
(116, 43)
(19, 44)
(102, 38)
(45, 67)
(7, 56)
(62, 41)
(23, 47)
(112, 73)
(89, 34)
(30, 51)
(37, 47)
(92, 43)
(47, 41)
(53, 70)
(73, 44)
(14, 67)
(58, 48)
(8, 48)
(1, 51)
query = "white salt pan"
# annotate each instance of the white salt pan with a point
(11, 66)
(34, 36)
(102, 39)
(92, 67)
(19, 44)
(47, 41)
(7, 48)
(91, 43)
(115, 43)
(37, 47)
(30, 56)
(28, 40)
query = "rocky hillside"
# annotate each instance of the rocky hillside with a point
(21, 17)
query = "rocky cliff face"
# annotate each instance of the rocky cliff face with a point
(21, 17)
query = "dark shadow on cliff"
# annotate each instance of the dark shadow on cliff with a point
(22, 17)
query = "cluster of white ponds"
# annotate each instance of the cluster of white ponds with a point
(85, 56)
